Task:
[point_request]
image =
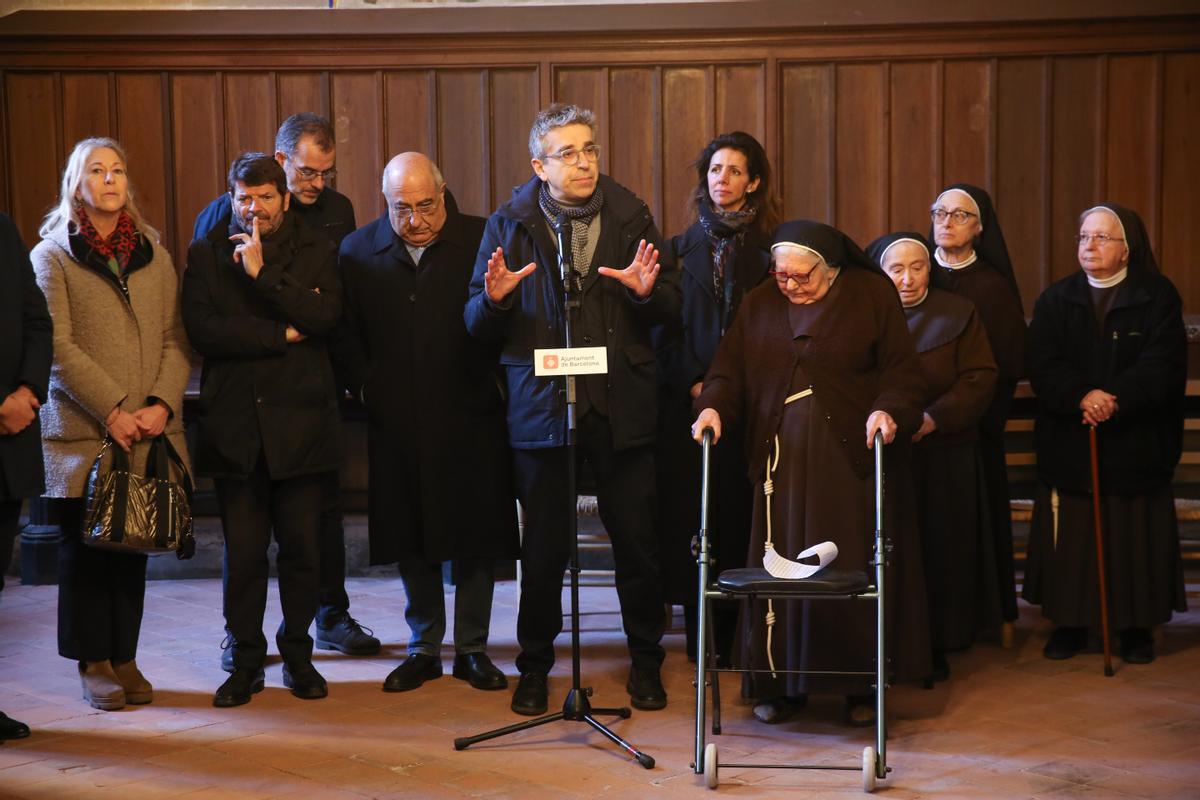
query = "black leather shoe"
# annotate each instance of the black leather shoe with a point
(479, 671)
(1065, 643)
(645, 689)
(1137, 646)
(227, 652)
(11, 729)
(415, 670)
(345, 634)
(304, 681)
(531, 695)
(238, 687)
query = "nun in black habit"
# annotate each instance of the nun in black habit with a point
(1107, 348)
(950, 493)
(972, 260)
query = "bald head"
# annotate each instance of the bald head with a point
(415, 194)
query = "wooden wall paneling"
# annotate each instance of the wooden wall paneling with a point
(410, 97)
(197, 149)
(143, 128)
(514, 103)
(463, 139)
(1077, 150)
(915, 144)
(741, 99)
(688, 122)
(862, 139)
(633, 154)
(250, 113)
(35, 161)
(1022, 183)
(357, 102)
(1133, 134)
(806, 162)
(1180, 250)
(590, 88)
(300, 91)
(87, 107)
(966, 112)
(5, 197)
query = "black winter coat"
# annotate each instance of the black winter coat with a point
(440, 468)
(259, 394)
(532, 316)
(26, 349)
(1141, 357)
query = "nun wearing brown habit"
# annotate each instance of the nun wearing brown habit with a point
(817, 360)
(950, 492)
(1107, 348)
(972, 260)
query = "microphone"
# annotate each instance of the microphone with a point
(562, 227)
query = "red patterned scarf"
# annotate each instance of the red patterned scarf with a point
(118, 247)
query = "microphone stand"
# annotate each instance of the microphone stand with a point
(577, 707)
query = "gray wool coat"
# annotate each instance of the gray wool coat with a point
(107, 351)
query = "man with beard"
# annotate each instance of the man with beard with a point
(258, 299)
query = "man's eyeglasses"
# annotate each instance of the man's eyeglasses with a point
(572, 157)
(1100, 239)
(421, 209)
(310, 174)
(958, 216)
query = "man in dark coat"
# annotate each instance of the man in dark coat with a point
(304, 147)
(258, 298)
(26, 347)
(435, 418)
(617, 411)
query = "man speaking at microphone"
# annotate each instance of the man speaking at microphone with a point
(522, 308)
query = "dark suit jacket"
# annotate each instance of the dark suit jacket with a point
(26, 344)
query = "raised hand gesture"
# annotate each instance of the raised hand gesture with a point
(248, 252)
(641, 273)
(499, 281)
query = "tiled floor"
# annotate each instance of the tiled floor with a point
(1008, 724)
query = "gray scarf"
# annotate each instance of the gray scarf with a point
(580, 217)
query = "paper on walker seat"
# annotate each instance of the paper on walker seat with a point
(780, 567)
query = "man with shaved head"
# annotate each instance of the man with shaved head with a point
(440, 487)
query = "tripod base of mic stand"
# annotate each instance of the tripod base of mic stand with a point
(576, 708)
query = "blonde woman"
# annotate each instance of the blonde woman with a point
(121, 363)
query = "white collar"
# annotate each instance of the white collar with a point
(940, 257)
(1107, 283)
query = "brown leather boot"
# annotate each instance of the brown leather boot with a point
(138, 690)
(101, 687)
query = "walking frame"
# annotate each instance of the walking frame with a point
(752, 583)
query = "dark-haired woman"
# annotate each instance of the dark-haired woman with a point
(121, 362)
(951, 498)
(972, 260)
(1107, 349)
(724, 254)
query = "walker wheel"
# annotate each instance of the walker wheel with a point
(710, 765)
(868, 769)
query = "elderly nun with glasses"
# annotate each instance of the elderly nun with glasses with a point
(818, 360)
(971, 259)
(1107, 349)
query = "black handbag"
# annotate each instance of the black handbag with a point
(150, 514)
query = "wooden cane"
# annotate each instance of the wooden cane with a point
(1108, 669)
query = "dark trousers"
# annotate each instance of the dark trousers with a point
(251, 509)
(426, 610)
(101, 594)
(333, 601)
(625, 493)
(10, 519)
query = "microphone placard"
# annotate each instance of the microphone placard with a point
(553, 361)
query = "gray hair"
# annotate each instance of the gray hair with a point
(558, 115)
(297, 126)
(63, 215)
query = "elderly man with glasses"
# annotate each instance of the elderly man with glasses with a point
(304, 147)
(516, 301)
(440, 483)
